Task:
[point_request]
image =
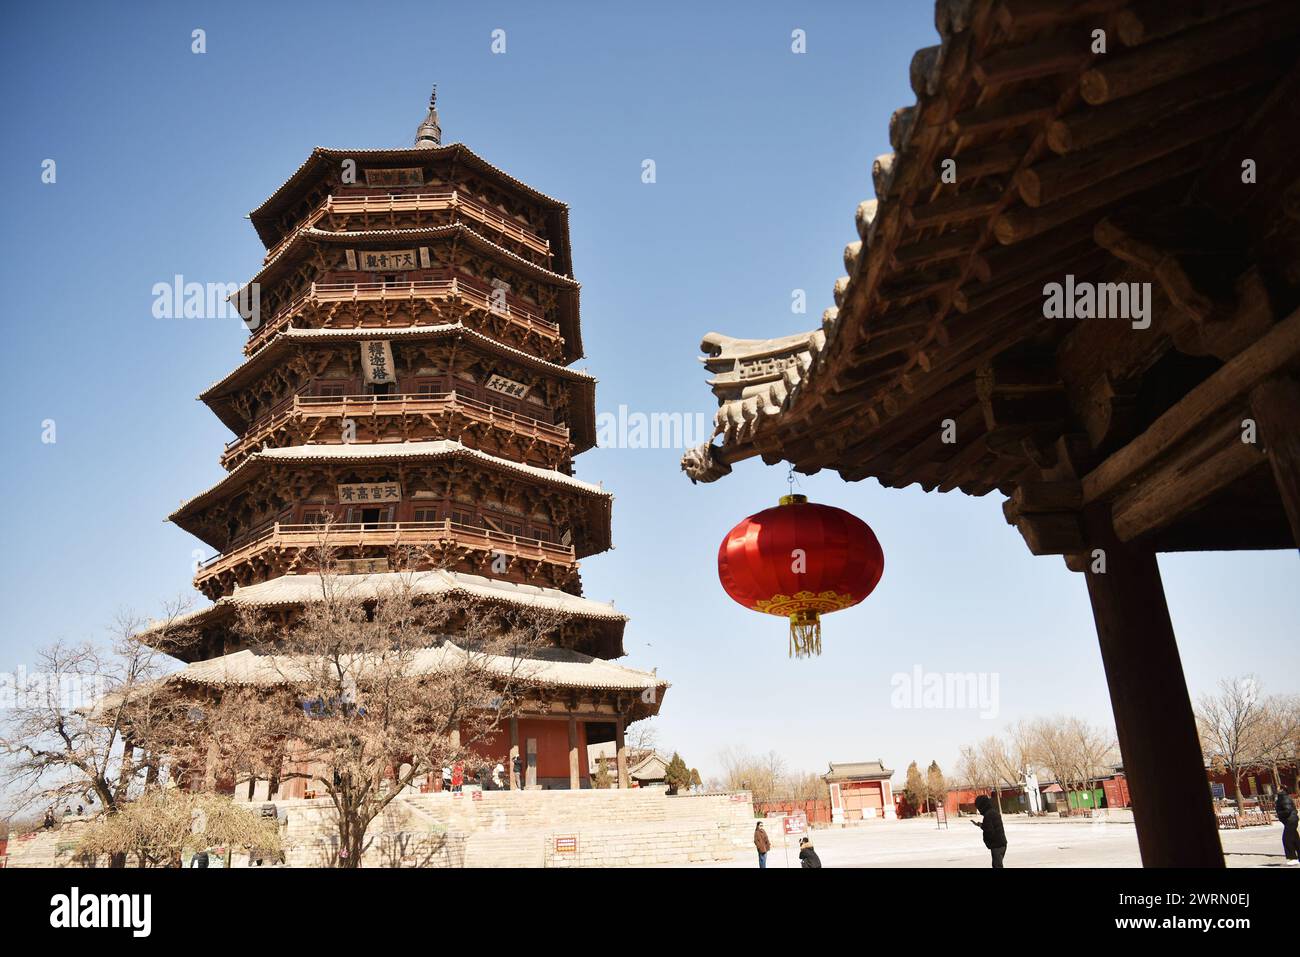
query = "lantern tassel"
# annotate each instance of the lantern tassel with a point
(805, 634)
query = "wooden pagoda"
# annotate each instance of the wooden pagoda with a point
(1105, 149)
(408, 382)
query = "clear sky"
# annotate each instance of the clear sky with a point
(762, 156)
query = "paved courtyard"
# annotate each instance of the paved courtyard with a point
(1039, 843)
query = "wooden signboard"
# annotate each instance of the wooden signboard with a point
(385, 260)
(370, 492)
(406, 176)
(377, 362)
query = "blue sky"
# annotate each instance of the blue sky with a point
(762, 156)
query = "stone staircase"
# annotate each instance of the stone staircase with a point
(52, 848)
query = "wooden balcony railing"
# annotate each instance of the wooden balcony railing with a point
(353, 534)
(432, 201)
(363, 406)
(529, 319)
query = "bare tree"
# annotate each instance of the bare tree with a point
(1280, 734)
(762, 775)
(365, 693)
(1232, 726)
(76, 724)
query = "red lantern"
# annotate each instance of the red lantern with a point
(800, 560)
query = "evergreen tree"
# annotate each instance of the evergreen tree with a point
(678, 775)
(935, 784)
(915, 789)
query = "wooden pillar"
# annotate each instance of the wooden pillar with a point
(1275, 405)
(575, 779)
(210, 768)
(621, 751)
(514, 753)
(1162, 758)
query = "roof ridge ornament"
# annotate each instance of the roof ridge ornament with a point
(430, 133)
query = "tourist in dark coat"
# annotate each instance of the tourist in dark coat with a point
(762, 843)
(995, 837)
(807, 856)
(1286, 813)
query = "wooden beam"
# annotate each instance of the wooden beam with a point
(973, 204)
(1145, 67)
(1017, 225)
(1154, 722)
(1059, 177)
(1275, 404)
(1026, 15)
(1002, 114)
(1156, 20)
(1093, 125)
(1215, 458)
(1058, 54)
(1240, 374)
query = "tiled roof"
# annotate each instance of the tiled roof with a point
(266, 357)
(302, 589)
(552, 667)
(857, 769)
(379, 452)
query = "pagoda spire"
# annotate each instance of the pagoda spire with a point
(430, 133)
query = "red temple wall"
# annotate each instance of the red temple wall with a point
(552, 745)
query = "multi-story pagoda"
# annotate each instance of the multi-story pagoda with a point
(407, 382)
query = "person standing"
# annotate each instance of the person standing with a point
(457, 777)
(517, 770)
(807, 856)
(763, 843)
(995, 836)
(1285, 809)
(446, 779)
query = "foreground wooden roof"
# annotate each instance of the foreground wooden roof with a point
(938, 364)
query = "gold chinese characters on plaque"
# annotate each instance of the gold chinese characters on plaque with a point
(382, 260)
(371, 492)
(412, 176)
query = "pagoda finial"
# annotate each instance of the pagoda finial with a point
(430, 133)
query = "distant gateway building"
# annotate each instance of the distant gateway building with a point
(408, 378)
(860, 791)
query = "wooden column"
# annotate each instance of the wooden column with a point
(1175, 819)
(1276, 407)
(514, 753)
(621, 752)
(575, 780)
(210, 768)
